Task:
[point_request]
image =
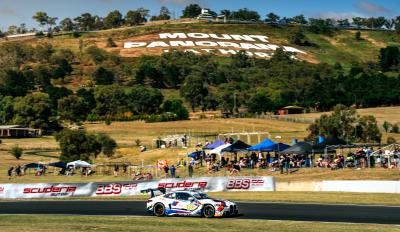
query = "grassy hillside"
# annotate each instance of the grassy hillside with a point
(341, 47)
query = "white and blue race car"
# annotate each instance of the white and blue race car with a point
(188, 203)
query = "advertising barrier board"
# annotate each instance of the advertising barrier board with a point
(121, 188)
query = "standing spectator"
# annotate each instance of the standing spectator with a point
(116, 169)
(260, 156)
(268, 158)
(9, 172)
(202, 157)
(190, 169)
(287, 164)
(282, 161)
(124, 169)
(172, 170)
(166, 170)
(18, 170)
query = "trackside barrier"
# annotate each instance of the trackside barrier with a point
(364, 186)
(93, 189)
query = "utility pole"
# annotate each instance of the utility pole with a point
(234, 103)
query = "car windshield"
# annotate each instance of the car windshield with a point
(201, 196)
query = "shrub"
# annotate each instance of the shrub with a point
(16, 152)
(390, 140)
(107, 122)
(138, 142)
(395, 128)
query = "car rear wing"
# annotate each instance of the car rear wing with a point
(153, 190)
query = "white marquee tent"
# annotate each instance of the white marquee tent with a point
(79, 164)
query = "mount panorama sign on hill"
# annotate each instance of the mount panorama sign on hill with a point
(257, 46)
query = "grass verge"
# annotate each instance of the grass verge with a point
(123, 223)
(281, 197)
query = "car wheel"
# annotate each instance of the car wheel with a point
(159, 210)
(208, 211)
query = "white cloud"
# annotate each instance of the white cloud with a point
(372, 8)
(338, 15)
(7, 11)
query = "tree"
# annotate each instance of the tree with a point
(272, 18)
(113, 19)
(87, 97)
(241, 60)
(358, 21)
(321, 26)
(110, 100)
(226, 13)
(164, 14)
(194, 90)
(6, 110)
(386, 126)
(103, 76)
(108, 144)
(133, 18)
(111, 43)
(16, 152)
(85, 22)
(260, 103)
(176, 106)
(246, 14)
(77, 145)
(67, 24)
(300, 19)
(12, 30)
(98, 23)
(13, 83)
(389, 23)
(397, 24)
(340, 124)
(343, 23)
(52, 21)
(42, 18)
(358, 35)
(72, 108)
(95, 54)
(43, 52)
(191, 11)
(389, 57)
(33, 110)
(395, 128)
(367, 129)
(297, 37)
(144, 100)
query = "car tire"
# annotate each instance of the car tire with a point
(208, 211)
(159, 210)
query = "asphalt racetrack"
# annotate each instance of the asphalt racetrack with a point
(270, 211)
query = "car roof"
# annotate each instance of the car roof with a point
(186, 191)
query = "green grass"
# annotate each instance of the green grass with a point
(126, 223)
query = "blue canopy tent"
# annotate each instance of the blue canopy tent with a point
(262, 146)
(33, 165)
(213, 145)
(57, 164)
(277, 147)
(194, 154)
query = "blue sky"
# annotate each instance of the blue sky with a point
(15, 12)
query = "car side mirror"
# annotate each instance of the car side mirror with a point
(191, 198)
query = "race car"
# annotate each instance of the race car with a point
(188, 203)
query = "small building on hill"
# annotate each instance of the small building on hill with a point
(290, 110)
(18, 131)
